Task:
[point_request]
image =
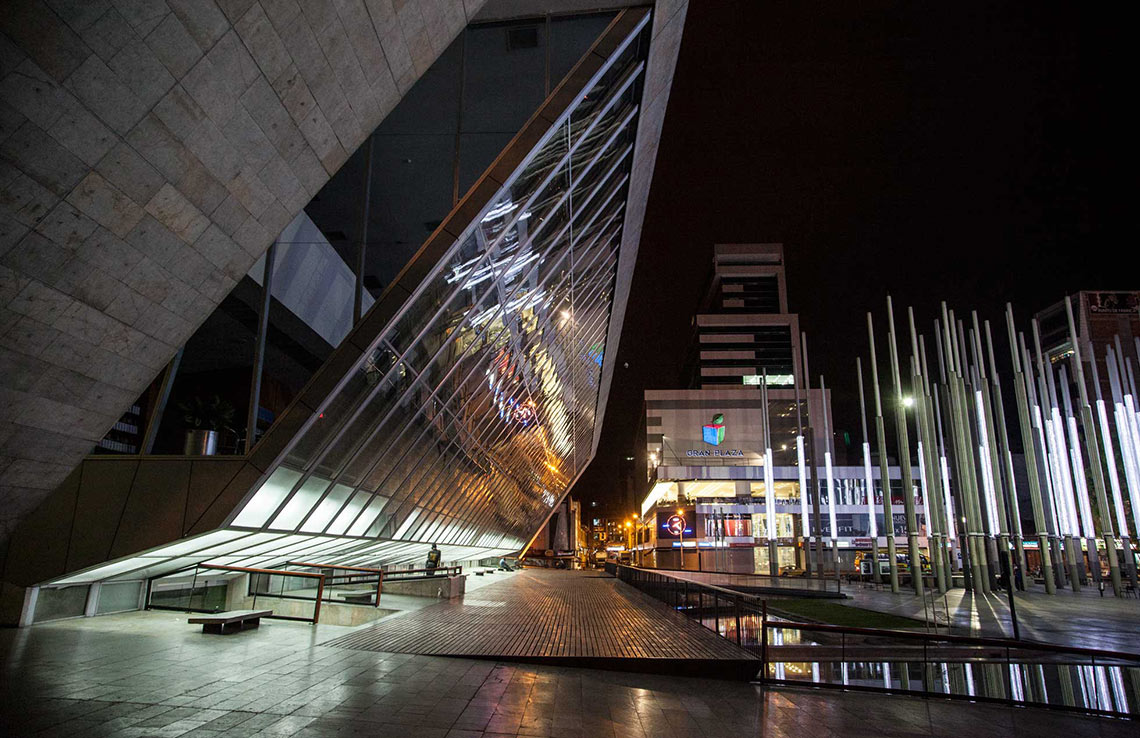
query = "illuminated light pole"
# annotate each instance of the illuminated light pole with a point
(831, 501)
(904, 457)
(873, 527)
(769, 483)
(681, 533)
(1080, 481)
(813, 480)
(927, 460)
(1028, 445)
(947, 496)
(805, 528)
(1062, 489)
(957, 416)
(884, 466)
(940, 395)
(975, 494)
(1094, 461)
(998, 405)
(1128, 450)
(1113, 476)
(1034, 385)
(991, 455)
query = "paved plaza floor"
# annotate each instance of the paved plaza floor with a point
(1083, 619)
(581, 618)
(151, 674)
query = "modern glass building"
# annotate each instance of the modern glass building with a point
(423, 355)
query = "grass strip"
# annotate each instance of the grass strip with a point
(832, 613)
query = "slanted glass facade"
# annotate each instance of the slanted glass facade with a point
(473, 410)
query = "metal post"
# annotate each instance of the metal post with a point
(1064, 498)
(1022, 388)
(928, 464)
(964, 455)
(1090, 431)
(764, 640)
(1113, 475)
(986, 427)
(736, 610)
(904, 457)
(998, 406)
(365, 206)
(769, 482)
(872, 524)
(1044, 469)
(831, 516)
(884, 466)
(813, 481)
(805, 527)
(259, 348)
(320, 593)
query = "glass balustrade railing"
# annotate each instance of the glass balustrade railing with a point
(932, 665)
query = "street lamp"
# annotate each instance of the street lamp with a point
(681, 533)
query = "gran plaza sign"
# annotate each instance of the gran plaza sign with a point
(705, 452)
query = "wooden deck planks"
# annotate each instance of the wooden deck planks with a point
(547, 614)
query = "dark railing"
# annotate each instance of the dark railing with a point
(398, 575)
(955, 667)
(355, 587)
(1092, 681)
(734, 580)
(260, 585)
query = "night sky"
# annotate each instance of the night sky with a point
(962, 152)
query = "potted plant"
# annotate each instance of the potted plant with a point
(205, 419)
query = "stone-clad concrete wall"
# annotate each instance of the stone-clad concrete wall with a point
(150, 151)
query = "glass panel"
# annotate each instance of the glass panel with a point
(118, 597)
(200, 543)
(327, 509)
(349, 513)
(301, 503)
(53, 603)
(368, 516)
(266, 500)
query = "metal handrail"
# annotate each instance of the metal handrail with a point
(1021, 645)
(379, 573)
(828, 584)
(714, 606)
(1006, 690)
(394, 574)
(278, 572)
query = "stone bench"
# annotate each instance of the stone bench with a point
(229, 622)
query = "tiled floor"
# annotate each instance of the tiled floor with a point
(151, 674)
(546, 613)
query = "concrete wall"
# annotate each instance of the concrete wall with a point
(443, 587)
(150, 151)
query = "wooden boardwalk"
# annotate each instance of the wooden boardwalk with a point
(553, 617)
